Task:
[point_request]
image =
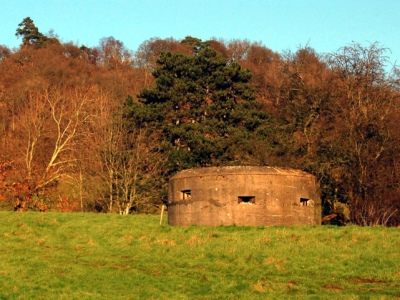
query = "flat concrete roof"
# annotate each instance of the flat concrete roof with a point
(240, 170)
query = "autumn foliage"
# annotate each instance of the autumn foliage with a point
(102, 128)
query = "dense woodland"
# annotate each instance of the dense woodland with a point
(103, 128)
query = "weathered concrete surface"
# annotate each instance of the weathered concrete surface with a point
(243, 196)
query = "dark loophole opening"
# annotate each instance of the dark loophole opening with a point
(304, 201)
(186, 194)
(247, 199)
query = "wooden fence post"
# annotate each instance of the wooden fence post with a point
(162, 214)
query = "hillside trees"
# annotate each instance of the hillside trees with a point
(51, 118)
(49, 103)
(72, 137)
(366, 102)
(336, 117)
(47, 110)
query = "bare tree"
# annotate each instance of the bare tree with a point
(365, 100)
(50, 122)
(113, 53)
(131, 161)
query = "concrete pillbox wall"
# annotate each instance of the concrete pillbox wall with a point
(243, 195)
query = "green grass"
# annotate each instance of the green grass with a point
(104, 256)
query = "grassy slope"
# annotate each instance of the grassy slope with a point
(98, 256)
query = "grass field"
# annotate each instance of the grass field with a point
(104, 256)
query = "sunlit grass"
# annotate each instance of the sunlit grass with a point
(104, 256)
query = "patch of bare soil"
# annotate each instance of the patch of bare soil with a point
(332, 287)
(360, 280)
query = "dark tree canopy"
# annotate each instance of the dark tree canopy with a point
(30, 33)
(202, 104)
